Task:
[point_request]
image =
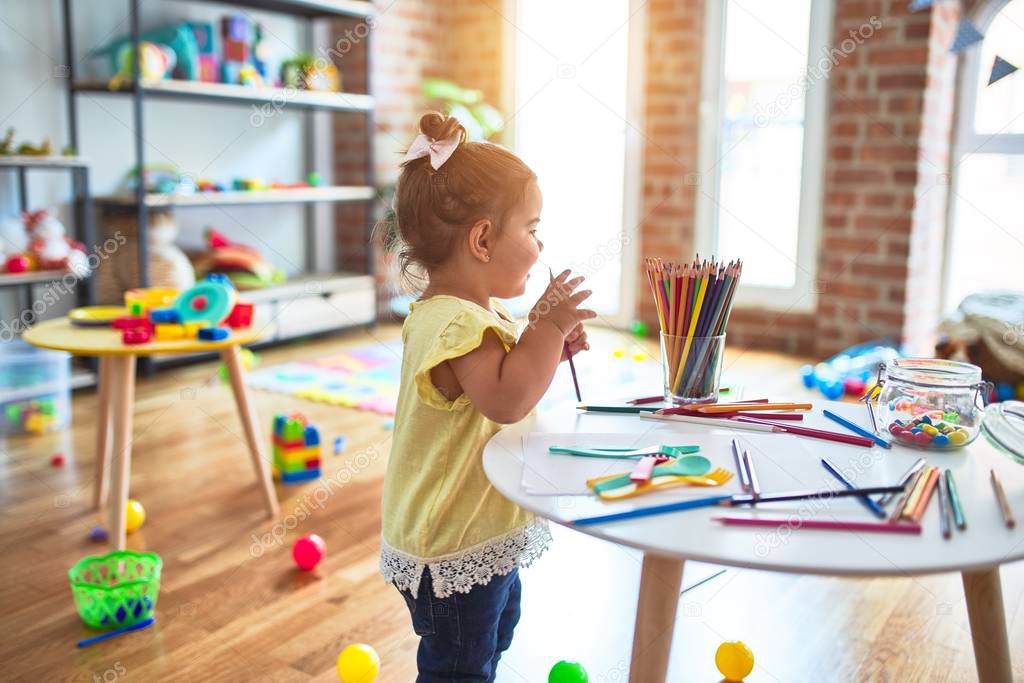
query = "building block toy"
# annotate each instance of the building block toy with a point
(240, 316)
(164, 315)
(296, 449)
(213, 333)
(136, 335)
(169, 331)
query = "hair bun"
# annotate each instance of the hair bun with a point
(436, 125)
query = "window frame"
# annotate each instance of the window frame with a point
(966, 141)
(801, 297)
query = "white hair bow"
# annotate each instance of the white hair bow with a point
(438, 150)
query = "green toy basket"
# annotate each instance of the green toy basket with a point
(117, 589)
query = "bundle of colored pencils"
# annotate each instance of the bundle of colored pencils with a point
(694, 301)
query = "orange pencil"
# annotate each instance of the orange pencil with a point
(926, 495)
(915, 493)
(731, 407)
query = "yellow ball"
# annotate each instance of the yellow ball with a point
(358, 663)
(135, 514)
(734, 660)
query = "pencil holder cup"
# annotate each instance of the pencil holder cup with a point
(692, 367)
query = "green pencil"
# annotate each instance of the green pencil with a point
(619, 409)
(954, 501)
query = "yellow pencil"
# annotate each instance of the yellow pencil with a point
(693, 326)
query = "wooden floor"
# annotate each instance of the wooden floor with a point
(233, 608)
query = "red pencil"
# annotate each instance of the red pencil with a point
(796, 523)
(814, 433)
(681, 410)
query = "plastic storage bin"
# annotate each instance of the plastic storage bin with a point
(35, 389)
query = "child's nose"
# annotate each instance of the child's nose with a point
(540, 245)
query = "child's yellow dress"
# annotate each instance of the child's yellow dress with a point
(439, 511)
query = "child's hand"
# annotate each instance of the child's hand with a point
(558, 305)
(575, 342)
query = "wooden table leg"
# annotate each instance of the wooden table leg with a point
(104, 429)
(122, 391)
(984, 595)
(253, 435)
(660, 580)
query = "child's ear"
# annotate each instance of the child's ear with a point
(481, 240)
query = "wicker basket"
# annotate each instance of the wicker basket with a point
(117, 589)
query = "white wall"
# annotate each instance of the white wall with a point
(215, 141)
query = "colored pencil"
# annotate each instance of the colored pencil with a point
(944, 525)
(857, 429)
(729, 501)
(741, 471)
(813, 433)
(755, 484)
(1004, 504)
(829, 525)
(926, 495)
(875, 508)
(646, 399)
(682, 410)
(568, 354)
(117, 632)
(907, 476)
(908, 491)
(727, 423)
(617, 409)
(732, 407)
(693, 302)
(954, 502)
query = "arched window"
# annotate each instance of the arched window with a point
(985, 248)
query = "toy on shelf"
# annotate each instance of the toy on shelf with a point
(358, 663)
(306, 72)
(38, 241)
(849, 371)
(296, 455)
(179, 40)
(116, 590)
(308, 551)
(155, 63)
(7, 147)
(206, 311)
(207, 60)
(243, 265)
(243, 60)
(159, 179)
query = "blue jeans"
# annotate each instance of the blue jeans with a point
(462, 636)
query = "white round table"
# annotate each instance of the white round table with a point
(783, 462)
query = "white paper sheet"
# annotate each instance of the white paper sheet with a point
(549, 474)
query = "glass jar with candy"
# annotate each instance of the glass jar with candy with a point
(930, 403)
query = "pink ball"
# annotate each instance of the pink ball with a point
(308, 551)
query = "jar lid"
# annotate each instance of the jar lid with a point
(1003, 426)
(935, 372)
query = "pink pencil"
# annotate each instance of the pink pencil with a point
(885, 527)
(813, 433)
(679, 410)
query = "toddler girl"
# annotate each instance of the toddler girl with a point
(467, 215)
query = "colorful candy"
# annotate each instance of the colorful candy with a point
(934, 429)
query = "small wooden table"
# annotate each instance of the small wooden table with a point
(117, 396)
(670, 539)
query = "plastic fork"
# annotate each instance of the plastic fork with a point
(671, 451)
(689, 466)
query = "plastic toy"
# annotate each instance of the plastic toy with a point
(850, 370)
(136, 335)
(36, 415)
(568, 672)
(117, 589)
(237, 36)
(209, 301)
(57, 460)
(143, 300)
(145, 623)
(339, 444)
(358, 663)
(38, 241)
(98, 534)
(734, 660)
(296, 454)
(244, 266)
(308, 551)
(240, 316)
(305, 72)
(638, 328)
(135, 515)
(178, 39)
(156, 62)
(96, 316)
(213, 333)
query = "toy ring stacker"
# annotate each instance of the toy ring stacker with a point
(208, 301)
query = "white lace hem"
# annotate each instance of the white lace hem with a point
(473, 566)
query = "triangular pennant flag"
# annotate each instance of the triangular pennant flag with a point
(966, 35)
(918, 5)
(1000, 69)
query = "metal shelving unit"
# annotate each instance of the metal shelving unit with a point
(330, 285)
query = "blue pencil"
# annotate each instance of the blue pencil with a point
(710, 501)
(857, 429)
(868, 502)
(113, 634)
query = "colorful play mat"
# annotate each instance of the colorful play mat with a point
(365, 378)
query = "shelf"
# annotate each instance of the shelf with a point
(301, 195)
(303, 8)
(28, 161)
(306, 285)
(275, 98)
(31, 278)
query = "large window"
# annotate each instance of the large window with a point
(986, 243)
(574, 123)
(761, 148)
